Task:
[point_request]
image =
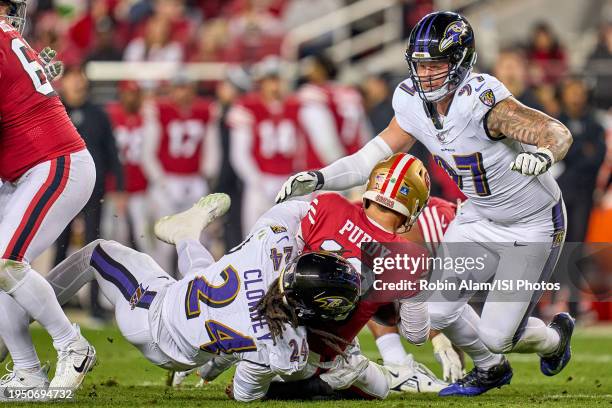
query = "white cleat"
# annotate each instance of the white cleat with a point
(14, 383)
(176, 378)
(73, 363)
(190, 223)
(413, 378)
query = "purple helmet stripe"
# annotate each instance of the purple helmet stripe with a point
(427, 32)
(416, 40)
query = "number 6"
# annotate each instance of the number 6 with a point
(32, 67)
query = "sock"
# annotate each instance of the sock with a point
(36, 296)
(391, 349)
(14, 327)
(537, 338)
(69, 276)
(463, 333)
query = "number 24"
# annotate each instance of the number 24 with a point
(297, 352)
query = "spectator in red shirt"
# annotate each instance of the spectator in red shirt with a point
(547, 58)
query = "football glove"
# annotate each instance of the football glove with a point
(53, 69)
(448, 358)
(300, 184)
(533, 164)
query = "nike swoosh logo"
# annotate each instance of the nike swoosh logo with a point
(81, 368)
(479, 88)
(396, 375)
(516, 244)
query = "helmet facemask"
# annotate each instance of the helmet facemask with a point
(306, 309)
(17, 13)
(456, 72)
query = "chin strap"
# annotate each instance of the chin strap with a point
(432, 114)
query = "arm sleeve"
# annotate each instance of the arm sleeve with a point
(414, 324)
(193, 257)
(354, 170)
(152, 128)
(288, 214)
(251, 381)
(111, 151)
(321, 132)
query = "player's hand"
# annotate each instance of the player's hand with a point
(53, 69)
(448, 358)
(300, 184)
(533, 164)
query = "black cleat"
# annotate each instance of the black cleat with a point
(551, 365)
(479, 381)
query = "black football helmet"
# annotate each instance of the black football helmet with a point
(17, 13)
(441, 36)
(324, 286)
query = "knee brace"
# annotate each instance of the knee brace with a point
(12, 273)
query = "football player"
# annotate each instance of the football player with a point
(177, 131)
(252, 303)
(332, 223)
(498, 151)
(263, 140)
(128, 128)
(48, 176)
(428, 231)
(332, 115)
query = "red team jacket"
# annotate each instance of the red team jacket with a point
(182, 135)
(346, 106)
(335, 224)
(34, 125)
(275, 132)
(129, 132)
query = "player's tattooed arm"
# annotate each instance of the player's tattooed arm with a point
(517, 121)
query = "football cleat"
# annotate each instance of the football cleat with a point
(190, 223)
(73, 363)
(21, 380)
(414, 377)
(479, 381)
(551, 365)
(176, 378)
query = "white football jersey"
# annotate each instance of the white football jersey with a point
(212, 312)
(479, 164)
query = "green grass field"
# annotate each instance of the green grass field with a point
(123, 377)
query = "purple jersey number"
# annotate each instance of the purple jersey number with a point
(472, 162)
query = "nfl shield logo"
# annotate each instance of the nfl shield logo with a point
(404, 190)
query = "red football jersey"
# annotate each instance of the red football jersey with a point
(34, 124)
(274, 129)
(434, 221)
(182, 135)
(335, 224)
(128, 131)
(346, 106)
